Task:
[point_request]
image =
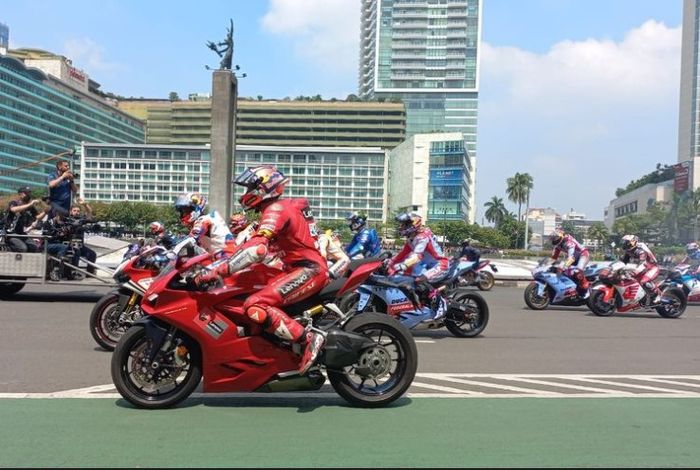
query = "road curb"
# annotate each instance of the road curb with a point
(512, 282)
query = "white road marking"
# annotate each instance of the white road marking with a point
(465, 386)
(429, 341)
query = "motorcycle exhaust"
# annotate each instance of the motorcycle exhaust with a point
(294, 383)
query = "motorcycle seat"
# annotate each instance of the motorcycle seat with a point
(447, 275)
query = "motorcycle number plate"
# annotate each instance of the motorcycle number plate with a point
(146, 283)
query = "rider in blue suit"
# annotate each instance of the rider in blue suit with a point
(365, 242)
(692, 258)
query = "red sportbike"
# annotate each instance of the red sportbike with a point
(188, 334)
(117, 310)
(618, 291)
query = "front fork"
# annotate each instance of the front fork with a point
(125, 308)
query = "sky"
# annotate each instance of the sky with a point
(582, 95)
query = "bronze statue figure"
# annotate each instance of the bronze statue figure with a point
(226, 51)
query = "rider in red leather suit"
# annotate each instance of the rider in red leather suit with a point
(288, 226)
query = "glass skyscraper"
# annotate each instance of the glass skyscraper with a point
(424, 53)
(689, 114)
(41, 116)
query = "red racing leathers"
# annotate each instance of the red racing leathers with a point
(647, 269)
(288, 227)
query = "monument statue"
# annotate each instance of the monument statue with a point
(224, 49)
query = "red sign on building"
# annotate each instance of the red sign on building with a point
(681, 180)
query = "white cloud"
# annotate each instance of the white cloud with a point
(583, 118)
(324, 32)
(88, 55)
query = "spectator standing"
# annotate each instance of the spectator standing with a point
(61, 187)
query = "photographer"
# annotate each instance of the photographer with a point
(21, 212)
(61, 187)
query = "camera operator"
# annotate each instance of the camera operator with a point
(21, 212)
(61, 187)
(78, 220)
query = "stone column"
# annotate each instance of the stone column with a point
(223, 141)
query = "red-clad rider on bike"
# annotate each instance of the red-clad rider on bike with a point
(577, 258)
(647, 268)
(210, 229)
(286, 224)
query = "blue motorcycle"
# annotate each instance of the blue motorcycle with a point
(681, 276)
(552, 287)
(465, 314)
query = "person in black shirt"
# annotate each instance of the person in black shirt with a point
(470, 252)
(78, 220)
(21, 212)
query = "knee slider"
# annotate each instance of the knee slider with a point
(257, 314)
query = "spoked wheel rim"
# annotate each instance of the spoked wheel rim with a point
(601, 306)
(486, 280)
(672, 305)
(470, 320)
(155, 383)
(381, 367)
(110, 329)
(537, 300)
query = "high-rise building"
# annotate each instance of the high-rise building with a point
(43, 115)
(424, 53)
(275, 122)
(434, 175)
(689, 114)
(4, 38)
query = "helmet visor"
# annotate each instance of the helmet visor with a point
(247, 179)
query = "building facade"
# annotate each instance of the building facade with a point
(435, 175)
(426, 54)
(335, 180)
(140, 172)
(42, 116)
(689, 105)
(275, 122)
(541, 222)
(638, 201)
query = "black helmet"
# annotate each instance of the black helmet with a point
(24, 189)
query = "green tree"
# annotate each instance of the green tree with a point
(518, 188)
(495, 210)
(173, 96)
(599, 233)
(513, 230)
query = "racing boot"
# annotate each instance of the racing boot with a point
(314, 343)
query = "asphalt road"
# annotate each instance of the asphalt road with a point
(45, 343)
(508, 398)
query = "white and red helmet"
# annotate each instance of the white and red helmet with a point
(156, 228)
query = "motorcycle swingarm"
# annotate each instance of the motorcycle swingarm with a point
(342, 348)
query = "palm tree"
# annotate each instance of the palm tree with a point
(599, 233)
(518, 190)
(495, 210)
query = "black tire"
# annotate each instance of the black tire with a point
(534, 301)
(401, 343)
(8, 289)
(469, 327)
(676, 309)
(487, 283)
(123, 378)
(104, 326)
(598, 306)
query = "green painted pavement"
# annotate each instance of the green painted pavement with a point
(419, 432)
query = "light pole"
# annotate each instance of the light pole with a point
(527, 212)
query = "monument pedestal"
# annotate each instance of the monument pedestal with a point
(223, 141)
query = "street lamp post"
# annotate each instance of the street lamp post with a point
(527, 212)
